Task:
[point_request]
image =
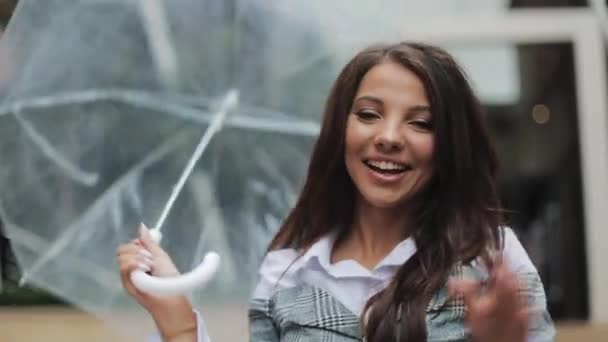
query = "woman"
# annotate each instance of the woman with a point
(397, 228)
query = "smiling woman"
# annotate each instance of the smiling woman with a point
(398, 228)
(389, 136)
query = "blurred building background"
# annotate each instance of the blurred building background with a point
(530, 92)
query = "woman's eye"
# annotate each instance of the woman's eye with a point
(367, 115)
(422, 124)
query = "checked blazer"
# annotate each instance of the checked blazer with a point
(308, 313)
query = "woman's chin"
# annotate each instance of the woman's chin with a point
(386, 201)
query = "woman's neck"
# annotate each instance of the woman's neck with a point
(374, 233)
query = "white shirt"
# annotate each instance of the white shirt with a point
(348, 281)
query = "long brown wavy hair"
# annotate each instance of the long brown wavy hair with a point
(458, 216)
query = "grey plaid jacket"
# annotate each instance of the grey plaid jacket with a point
(308, 313)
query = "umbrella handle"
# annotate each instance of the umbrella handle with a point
(181, 284)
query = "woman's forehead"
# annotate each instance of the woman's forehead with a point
(392, 84)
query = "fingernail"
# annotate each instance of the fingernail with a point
(144, 267)
(145, 231)
(145, 253)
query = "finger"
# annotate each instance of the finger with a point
(504, 301)
(470, 290)
(146, 239)
(525, 317)
(132, 249)
(525, 314)
(498, 259)
(506, 282)
(478, 303)
(130, 263)
(128, 248)
(485, 306)
(125, 275)
(129, 251)
(507, 293)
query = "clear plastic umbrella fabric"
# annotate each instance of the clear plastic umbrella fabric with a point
(103, 103)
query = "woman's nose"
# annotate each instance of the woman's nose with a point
(389, 138)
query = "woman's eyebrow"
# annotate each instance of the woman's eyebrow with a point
(419, 109)
(369, 98)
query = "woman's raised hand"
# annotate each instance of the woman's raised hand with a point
(495, 311)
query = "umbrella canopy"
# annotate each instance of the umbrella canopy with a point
(104, 102)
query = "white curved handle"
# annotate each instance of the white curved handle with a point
(182, 284)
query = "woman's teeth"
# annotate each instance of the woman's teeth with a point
(387, 166)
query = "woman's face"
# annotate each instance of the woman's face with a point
(389, 136)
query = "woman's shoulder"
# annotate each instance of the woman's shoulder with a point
(514, 253)
(278, 270)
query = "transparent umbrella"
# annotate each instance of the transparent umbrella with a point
(103, 104)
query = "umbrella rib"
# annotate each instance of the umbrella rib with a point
(36, 243)
(72, 170)
(154, 22)
(155, 102)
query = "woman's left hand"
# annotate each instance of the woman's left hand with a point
(494, 312)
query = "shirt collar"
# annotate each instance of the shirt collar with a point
(319, 255)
